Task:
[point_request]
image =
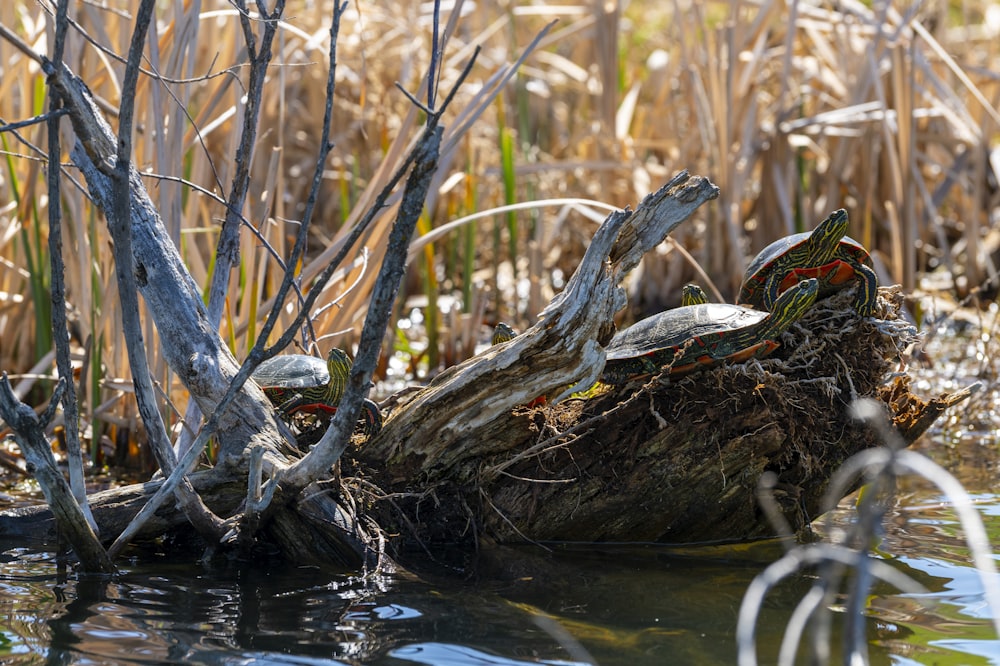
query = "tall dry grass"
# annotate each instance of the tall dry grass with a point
(794, 110)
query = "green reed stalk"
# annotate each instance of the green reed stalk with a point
(509, 191)
(345, 195)
(33, 246)
(469, 235)
(96, 375)
(252, 294)
(431, 314)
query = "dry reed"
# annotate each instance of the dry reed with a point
(793, 110)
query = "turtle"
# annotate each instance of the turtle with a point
(826, 253)
(692, 294)
(300, 383)
(502, 332)
(691, 337)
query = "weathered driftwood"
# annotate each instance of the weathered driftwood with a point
(459, 461)
(114, 509)
(30, 435)
(559, 354)
(471, 402)
(662, 460)
(670, 460)
(192, 347)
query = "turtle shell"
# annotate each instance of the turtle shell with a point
(834, 259)
(292, 371)
(772, 257)
(654, 342)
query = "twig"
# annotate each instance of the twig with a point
(60, 329)
(227, 251)
(52, 114)
(507, 520)
(251, 512)
(207, 524)
(190, 346)
(29, 431)
(786, 566)
(765, 499)
(328, 450)
(424, 158)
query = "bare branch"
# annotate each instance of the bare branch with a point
(329, 449)
(30, 436)
(42, 118)
(227, 253)
(424, 158)
(201, 517)
(60, 328)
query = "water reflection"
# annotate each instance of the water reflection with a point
(636, 606)
(627, 606)
(923, 537)
(630, 606)
(189, 614)
(445, 654)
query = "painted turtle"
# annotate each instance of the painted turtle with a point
(692, 294)
(697, 336)
(503, 333)
(826, 253)
(300, 383)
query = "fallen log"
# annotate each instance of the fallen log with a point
(661, 460)
(464, 462)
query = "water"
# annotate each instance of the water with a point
(634, 606)
(181, 613)
(628, 606)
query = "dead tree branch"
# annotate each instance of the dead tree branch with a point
(30, 435)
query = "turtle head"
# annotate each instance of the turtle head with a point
(338, 363)
(503, 333)
(825, 238)
(693, 295)
(791, 305)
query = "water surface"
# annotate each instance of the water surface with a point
(628, 606)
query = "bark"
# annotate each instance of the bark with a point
(442, 424)
(668, 460)
(114, 509)
(70, 518)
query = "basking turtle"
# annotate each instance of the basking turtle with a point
(707, 334)
(503, 333)
(826, 253)
(692, 294)
(300, 383)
